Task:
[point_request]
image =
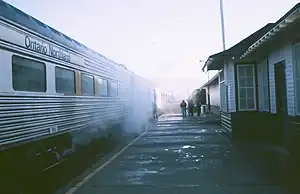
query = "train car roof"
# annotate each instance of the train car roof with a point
(15, 15)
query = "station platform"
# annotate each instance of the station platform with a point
(179, 155)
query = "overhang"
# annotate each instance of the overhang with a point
(282, 24)
(216, 61)
(212, 80)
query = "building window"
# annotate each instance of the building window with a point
(87, 85)
(64, 81)
(112, 89)
(246, 87)
(103, 86)
(28, 75)
(263, 80)
(297, 76)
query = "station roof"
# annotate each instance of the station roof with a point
(212, 80)
(282, 24)
(215, 61)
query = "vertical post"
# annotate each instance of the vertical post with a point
(224, 47)
(222, 24)
(207, 75)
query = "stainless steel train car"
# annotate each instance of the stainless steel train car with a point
(55, 93)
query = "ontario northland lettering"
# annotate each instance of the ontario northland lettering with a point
(47, 49)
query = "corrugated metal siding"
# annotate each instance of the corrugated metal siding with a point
(28, 116)
(23, 118)
(284, 53)
(101, 69)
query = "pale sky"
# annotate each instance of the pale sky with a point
(156, 38)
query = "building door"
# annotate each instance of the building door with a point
(281, 104)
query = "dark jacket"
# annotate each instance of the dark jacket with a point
(183, 104)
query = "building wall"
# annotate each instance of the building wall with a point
(283, 54)
(214, 93)
(230, 83)
(263, 94)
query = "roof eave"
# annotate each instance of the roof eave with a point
(210, 81)
(275, 30)
(207, 63)
(218, 62)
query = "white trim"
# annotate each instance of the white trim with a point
(297, 98)
(279, 27)
(224, 97)
(254, 87)
(266, 87)
(263, 86)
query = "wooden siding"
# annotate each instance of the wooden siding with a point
(226, 123)
(230, 82)
(283, 54)
(214, 93)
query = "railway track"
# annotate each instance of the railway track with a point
(52, 178)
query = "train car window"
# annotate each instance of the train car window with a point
(28, 75)
(64, 81)
(103, 87)
(112, 89)
(87, 85)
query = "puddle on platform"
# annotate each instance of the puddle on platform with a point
(162, 168)
(135, 181)
(177, 151)
(188, 146)
(145, 162)
(135, 176)
(129, 157)
(164, 125)
(193, 168)
(203, 130)
(189, 155)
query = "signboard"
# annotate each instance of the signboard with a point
(46, 49)
(17, 37)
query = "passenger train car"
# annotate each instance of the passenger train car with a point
(55, 93)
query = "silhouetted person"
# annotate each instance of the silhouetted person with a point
(191, 108)
(198, 108)
(154, 111)
(183, 108)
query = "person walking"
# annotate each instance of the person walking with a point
(154, 111)
(191, 108)
(198, 108)
(183, 108)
